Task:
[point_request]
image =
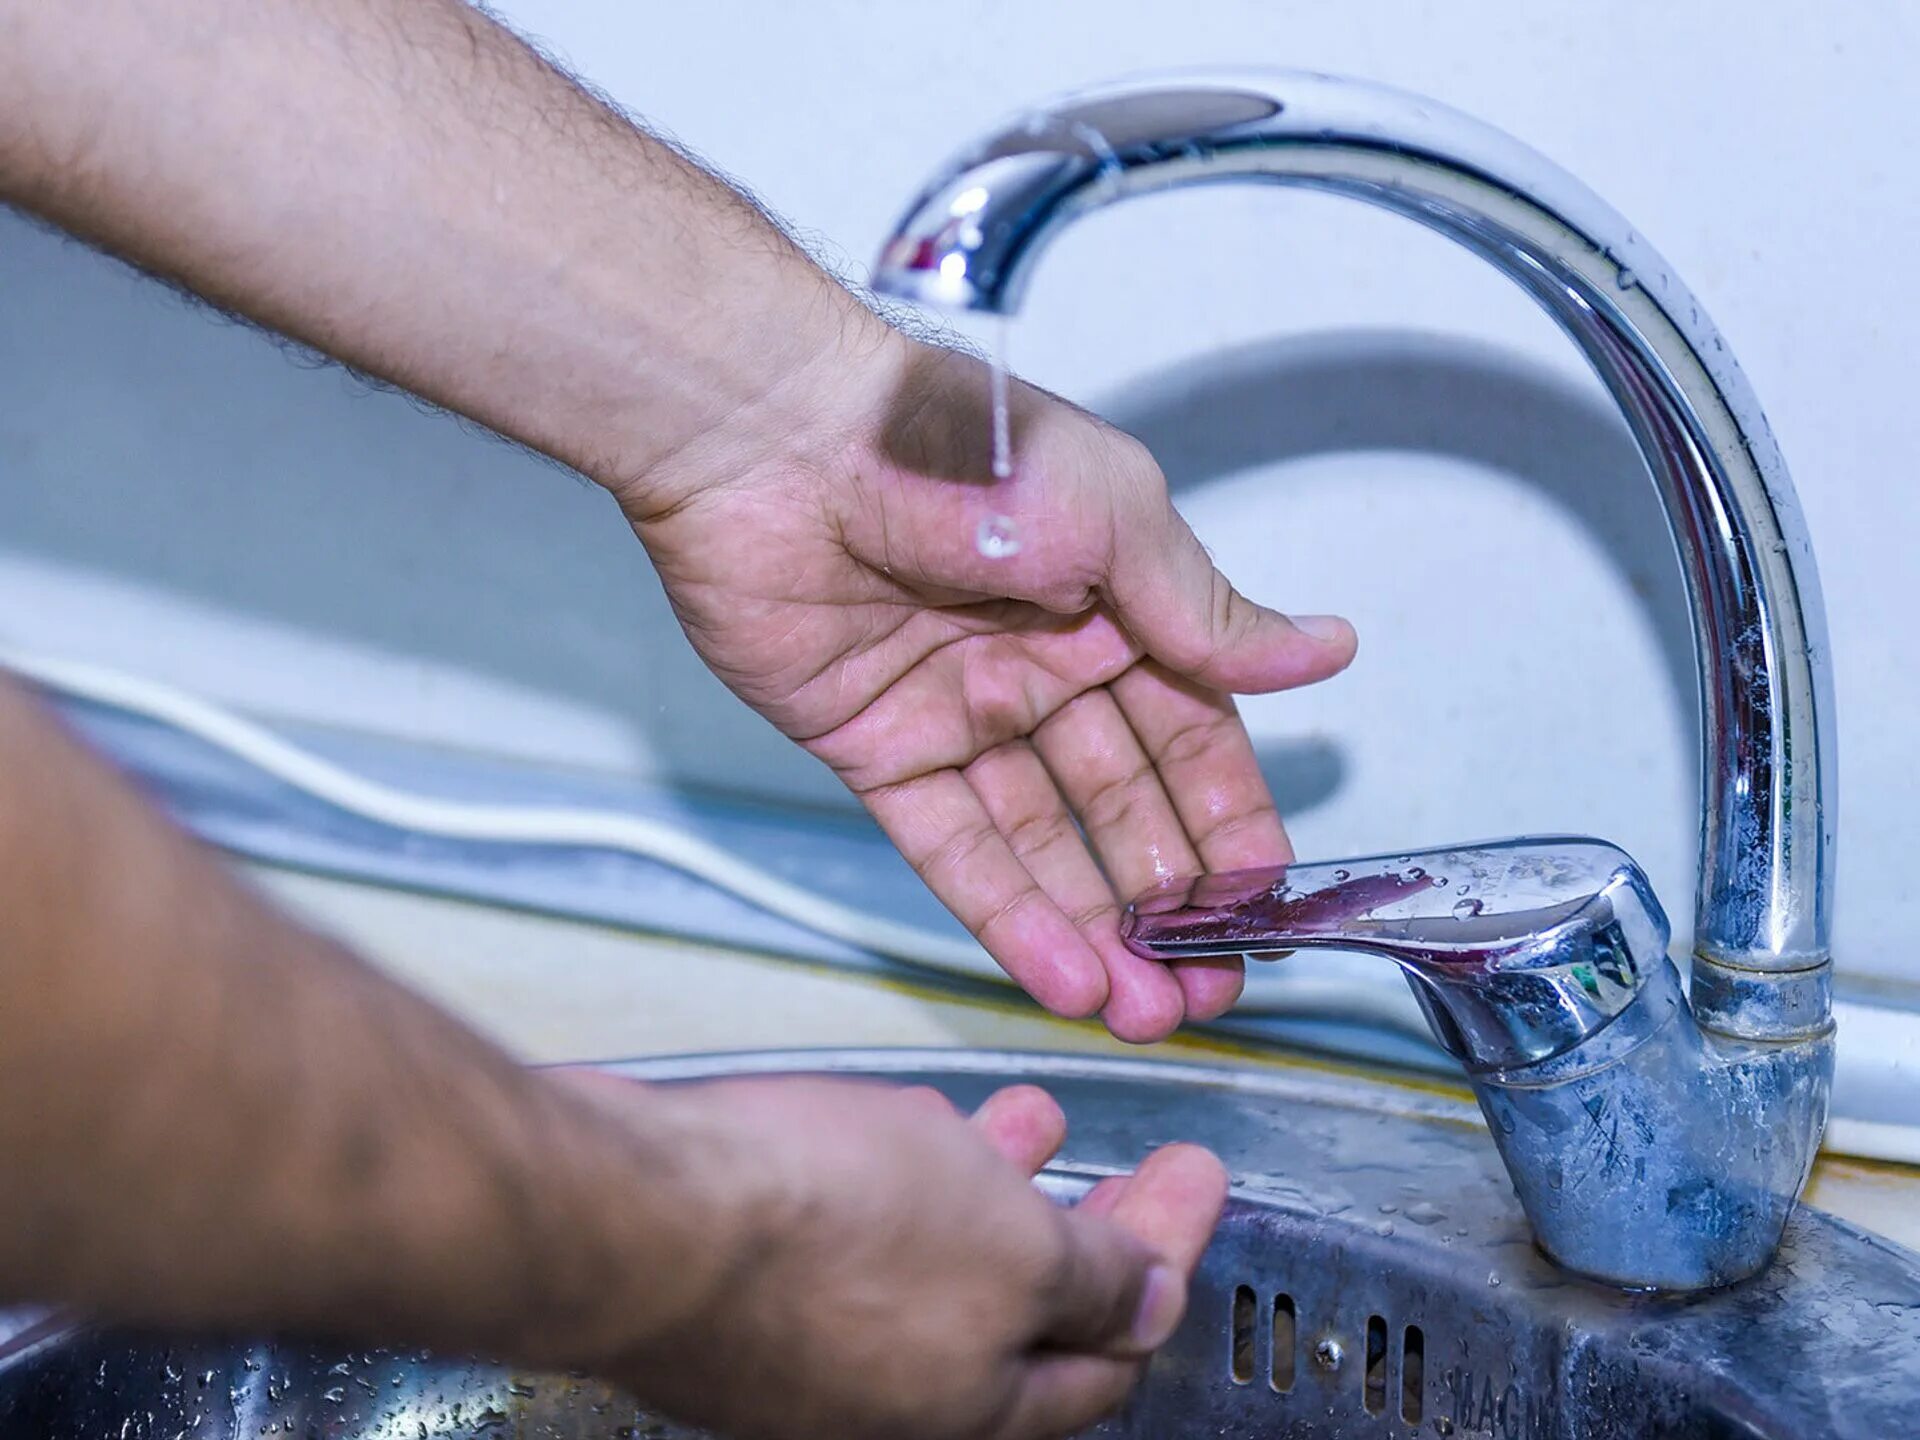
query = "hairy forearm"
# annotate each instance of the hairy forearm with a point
(406, 186)
(212, 1117)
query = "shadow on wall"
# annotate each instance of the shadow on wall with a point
(1392, 390)
(141, 438)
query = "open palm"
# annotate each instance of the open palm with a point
(1039, 733)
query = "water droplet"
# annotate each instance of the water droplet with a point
(1387, 1207)
(1626, 279)
(1425, 1212)
(1343, 875)
(1328, 1354)
(1467, 909)
(1417, 873)
(1463, 889)
(1439, 882)
(1493, 1279)
(1385, 1227)
(998, 538)
(334, 1396)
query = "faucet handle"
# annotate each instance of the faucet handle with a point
(1518, 949)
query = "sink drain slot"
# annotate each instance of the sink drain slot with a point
(1285, 1339)
(1241, 1361)
(1373, 1394)
(1413, 1373)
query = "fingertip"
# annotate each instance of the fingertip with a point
(1211, 986)
(1082, 995)
(1174, 1202)
(1195, 1169)
(1066, 977)
(1145, 1003)
(1143, 1018)
(1024, 1123)
(1334, 631)
(1281, 652)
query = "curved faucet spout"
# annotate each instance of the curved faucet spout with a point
(1650, 1147)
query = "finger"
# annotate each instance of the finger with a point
(925, 1097)
(1017, 790)
(971, 695)
(940, 826)
(1173, 1202)
(1062, 1395)
(1105, 775)
(1023, 1123)
(1206, 761)
(1101, 1199)
(1168, 594)
(1101, 1278)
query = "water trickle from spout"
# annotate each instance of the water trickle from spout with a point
(997, 537)
(1002, 426)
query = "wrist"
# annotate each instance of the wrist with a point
(830, 379)
(661, 1222)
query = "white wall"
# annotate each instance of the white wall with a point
(1358, 418)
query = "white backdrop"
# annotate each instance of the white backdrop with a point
(1358, 418)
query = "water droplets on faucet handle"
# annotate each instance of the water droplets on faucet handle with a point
(1474, 906)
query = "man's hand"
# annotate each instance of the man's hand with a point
(402, 184)
(902, 1277)
(1040, 733)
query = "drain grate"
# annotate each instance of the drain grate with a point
(1283, 1344)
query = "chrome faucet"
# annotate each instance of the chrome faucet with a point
(1654, 1142)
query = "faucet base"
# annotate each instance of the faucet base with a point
(1674, 1163)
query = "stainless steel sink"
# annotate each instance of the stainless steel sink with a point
(1373, 1278)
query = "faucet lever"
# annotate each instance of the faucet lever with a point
(1518, 949)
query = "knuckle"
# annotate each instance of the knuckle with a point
(1114, 799)
(952, 855)
(1039, 832)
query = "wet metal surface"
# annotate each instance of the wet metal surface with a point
(1374, 1278)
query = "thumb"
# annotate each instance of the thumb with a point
(1172, 599)
(1107, 1287)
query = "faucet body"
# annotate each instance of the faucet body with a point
(1653, 1142)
